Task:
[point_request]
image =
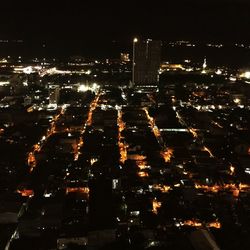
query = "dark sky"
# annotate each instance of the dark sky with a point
(89, 21)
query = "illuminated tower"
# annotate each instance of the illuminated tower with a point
(204, 66)
(54, 94)
(146, 62)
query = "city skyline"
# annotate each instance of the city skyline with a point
(125, 125)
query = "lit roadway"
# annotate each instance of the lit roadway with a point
(88, 122)
(122, 145)
(32, 162)
(166, 153)
(234, 188)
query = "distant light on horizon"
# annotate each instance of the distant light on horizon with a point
(218, 72)
(246, 75)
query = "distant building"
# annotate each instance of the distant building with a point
(54, 95)
(146, 60)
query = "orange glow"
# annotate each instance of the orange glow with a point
(198, 93)
(80, 144)
(197, 223)
(93, 106)
(31, 161)
(88, 122)
(30, 109)
(139, 158)
(244, 186)
(152, 124)
(83, 190)
(122, 145)
(192, 223)
(26, 192)
(193, 132)
(143, 174)
(156, 131)
(123, 152)
(167, 154)
(232, 170)
(156, 205)
(209, 151)
(76, 149)
(207, 188)
(93, 160)
(162, 188)
(36, 148)
(236, 193)
(215, 224)
(217, 124)
(234, 188)
(142, 165)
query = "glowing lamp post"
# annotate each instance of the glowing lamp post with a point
(133, 69)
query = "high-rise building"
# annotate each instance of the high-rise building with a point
(146, 62)
(54, 94)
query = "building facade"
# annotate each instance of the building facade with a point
(147, 57)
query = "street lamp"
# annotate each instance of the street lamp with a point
(133, 69)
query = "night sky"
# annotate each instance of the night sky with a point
(93, 23)
(90, 20)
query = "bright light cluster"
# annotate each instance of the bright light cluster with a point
(246, 75)
(93, 87)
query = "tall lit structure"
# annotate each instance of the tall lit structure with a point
(146, 62)
(54, 94)
(204, 66)
(133, 63)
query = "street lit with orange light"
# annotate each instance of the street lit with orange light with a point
(122, 145)
(88, 123)
(91, 148)
(198, 224)
(93, 106)
(152, 124)
(233, 188)
(31, 161)
(166, 153)
(80, 190)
